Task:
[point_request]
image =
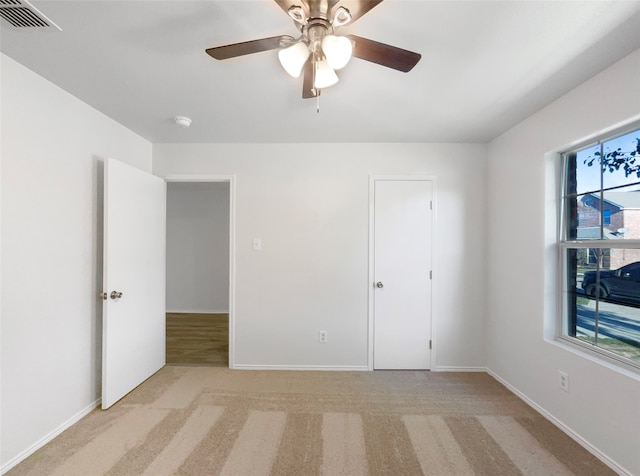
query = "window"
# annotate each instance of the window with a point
(600, 247)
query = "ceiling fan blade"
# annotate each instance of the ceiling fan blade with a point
(308, 91)
(358, 8)
(385, 55)
(247, 47)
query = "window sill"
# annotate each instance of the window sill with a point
(598, 357)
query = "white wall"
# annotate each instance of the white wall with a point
(309, 204)
(197, 247)
(52, 148)
(603, 406)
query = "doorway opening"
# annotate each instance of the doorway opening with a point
(198, 297)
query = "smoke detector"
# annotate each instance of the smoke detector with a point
(182, 121)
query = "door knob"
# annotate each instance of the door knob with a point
(379, 284)
(116, 295)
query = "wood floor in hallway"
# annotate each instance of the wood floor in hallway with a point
(198, 339)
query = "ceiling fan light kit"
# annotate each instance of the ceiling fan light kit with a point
(318, 53)
(293, 58)
(338, 50)
(324, 75)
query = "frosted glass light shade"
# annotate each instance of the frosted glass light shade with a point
(293, 58)
(337, 50)
(325, 75)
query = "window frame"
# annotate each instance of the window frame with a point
(564, 244)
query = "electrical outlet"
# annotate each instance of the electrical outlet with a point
(323, 337)
(564, 381)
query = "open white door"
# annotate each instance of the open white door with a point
(402, 270)
(133, 327)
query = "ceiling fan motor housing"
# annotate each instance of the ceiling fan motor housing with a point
(314, 32)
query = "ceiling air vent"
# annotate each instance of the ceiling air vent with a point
(21, 14)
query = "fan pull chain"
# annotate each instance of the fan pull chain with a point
(318, 103)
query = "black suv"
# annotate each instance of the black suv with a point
(622, 283)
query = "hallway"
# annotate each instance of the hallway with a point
(198, 339)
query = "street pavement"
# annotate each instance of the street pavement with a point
(614, 320)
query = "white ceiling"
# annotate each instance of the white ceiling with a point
(486, 65)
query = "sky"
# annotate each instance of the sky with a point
(589, 177)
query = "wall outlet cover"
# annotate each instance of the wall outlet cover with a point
(564, 381)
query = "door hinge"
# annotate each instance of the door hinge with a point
(430, 346)
(430, 204)
(430, 274)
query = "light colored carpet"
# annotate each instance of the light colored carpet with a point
(215, 421)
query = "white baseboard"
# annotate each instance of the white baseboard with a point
(337, 368)
(572, 434)
(191, 311)
(347, 368)
(447, 368)
(50, 436)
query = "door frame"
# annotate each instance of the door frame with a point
(371, 295)
(231, 180)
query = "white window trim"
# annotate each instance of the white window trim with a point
(600, 354)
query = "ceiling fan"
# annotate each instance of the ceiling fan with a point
(318, 52)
